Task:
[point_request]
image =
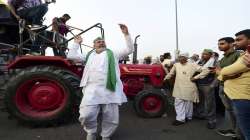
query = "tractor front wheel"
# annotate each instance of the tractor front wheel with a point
(150, 103)
(41, 95)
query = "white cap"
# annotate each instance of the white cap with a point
(184, 55)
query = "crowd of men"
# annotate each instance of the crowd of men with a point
(198, 79)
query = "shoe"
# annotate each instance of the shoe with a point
(188, 119)
(227, 133)
(37, 27)
(177, 123)
(91, 137)
(236, 138)
(200, 117)
(211, 125)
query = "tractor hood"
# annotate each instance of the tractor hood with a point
(141, 69)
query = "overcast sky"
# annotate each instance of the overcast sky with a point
(201, 22)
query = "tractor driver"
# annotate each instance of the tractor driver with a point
(30, 10)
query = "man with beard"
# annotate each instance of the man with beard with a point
(185, 91)
(102, 86)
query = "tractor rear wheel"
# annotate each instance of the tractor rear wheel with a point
(41, 95)
(150, 103)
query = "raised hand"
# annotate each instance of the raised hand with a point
(124, 29)
(78, 39)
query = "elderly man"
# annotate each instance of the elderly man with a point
(102, 87)
(194, 58)
(185, 91)
(206, 109)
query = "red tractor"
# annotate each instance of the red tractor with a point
(44, 90)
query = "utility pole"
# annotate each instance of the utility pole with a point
(176, 29)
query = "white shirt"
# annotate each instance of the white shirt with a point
(95, 75)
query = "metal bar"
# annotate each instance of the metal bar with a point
(36, 34)
(96, 25)
(87, 46)
(9, 45)
(176, 26)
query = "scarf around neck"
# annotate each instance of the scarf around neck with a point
(111, 76)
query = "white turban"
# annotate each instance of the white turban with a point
(184, 55)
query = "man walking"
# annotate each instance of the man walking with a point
(102, 87)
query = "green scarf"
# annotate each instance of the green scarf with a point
(111, 76)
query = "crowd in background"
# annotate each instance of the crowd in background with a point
(198, 78)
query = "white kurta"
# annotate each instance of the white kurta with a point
(184, 88)
(95, 76)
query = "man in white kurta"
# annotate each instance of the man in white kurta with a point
(185, 91)
(96, 97)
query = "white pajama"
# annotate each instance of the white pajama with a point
(110, 118)
(184, 109)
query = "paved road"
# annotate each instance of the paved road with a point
(131, 128)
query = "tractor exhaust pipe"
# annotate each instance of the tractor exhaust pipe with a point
(135, 61)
